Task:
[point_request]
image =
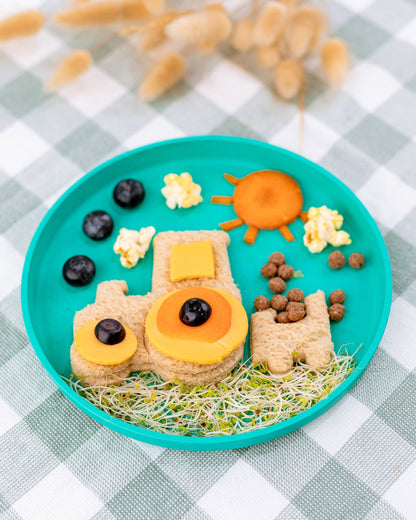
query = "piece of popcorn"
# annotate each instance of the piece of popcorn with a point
(322, 228)
(180, 191)
(132, 245)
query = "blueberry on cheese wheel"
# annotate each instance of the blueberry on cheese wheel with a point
(98, 225)
(110, 332)
(78, 270)
(128, 193)
(195, 312)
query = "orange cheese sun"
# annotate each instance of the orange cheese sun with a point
(265, 199)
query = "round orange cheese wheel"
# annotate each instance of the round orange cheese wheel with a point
(91, 348)
(206, 346)
(214, 328)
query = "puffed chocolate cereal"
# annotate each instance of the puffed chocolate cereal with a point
(269, 270)
(336, 260)
(295, 311)
(279, 302)
(285, 271)
(356, 260)
(336, 312)
(295, 295)
(337, 296)
(277, 285)
(277, 258)
(261, 303)
(282, 317)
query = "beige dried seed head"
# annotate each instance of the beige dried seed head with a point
(155, 6)
(153, 33)
(268, 56)
(269, 24)
(288, 78)
(70, 69)
(335, 60)
(211, 25)
(102, 13)
(242, 38)
(304, 30)
(164, 75)
(21, 24)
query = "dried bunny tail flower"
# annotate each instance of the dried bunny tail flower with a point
(155, 6)
(304, 30)
(70, 69)
(288, 78)
(153, 33)
(102, 13)
(211, 25)
(242, 38)
(335, 60)
(21, 24)
(269, 24)
(164, 75)
(268, 56)
(133, 10)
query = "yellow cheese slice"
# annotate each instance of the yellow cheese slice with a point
(192, 260)
(195, 351)
(91, 348)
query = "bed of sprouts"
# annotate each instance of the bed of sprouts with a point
(248, 399)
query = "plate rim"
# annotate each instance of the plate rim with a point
(206, 443)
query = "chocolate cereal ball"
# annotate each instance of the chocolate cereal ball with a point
(277, 285)
(295, 311)
(277, 258)
(285, 272)
(282, 317)
(336, 260)
(295, 295)
(279, 302)
(337, 296)
(336, 312)
(356, 260)
(269, 270)
(261, 303)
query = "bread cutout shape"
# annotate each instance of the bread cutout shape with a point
(310, 338)
(131, 310)
(265, 199)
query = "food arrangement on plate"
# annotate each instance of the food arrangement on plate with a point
(171, 360)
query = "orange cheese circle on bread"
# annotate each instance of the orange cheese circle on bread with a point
(208, 343)
(218, 324)
(91, 348)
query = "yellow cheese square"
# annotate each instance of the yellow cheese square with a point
(192, 260)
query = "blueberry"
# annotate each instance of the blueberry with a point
(98, 225)
(128, 193)
(110, 332)
(195, 312)
(79, 270)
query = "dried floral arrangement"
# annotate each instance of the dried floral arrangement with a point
(281, 33)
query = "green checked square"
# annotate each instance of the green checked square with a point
(60, 425)
(363, 37)
(87, 146)
(15, 202)
(23, 94)
(127, 460)
(151, 496)
(11, 336)
(399, 410)
(335, 493)
(368, 135)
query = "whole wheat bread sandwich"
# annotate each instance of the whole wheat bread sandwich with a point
(132, 310)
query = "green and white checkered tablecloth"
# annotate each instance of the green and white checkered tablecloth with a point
(358, 460)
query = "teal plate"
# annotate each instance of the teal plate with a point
(49, 303)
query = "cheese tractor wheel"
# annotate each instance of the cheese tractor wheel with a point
(91, 348)
(208, 343)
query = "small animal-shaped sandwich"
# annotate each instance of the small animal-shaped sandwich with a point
(191, 326)
(280, 344)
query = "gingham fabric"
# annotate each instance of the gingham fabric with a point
(358, 461)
